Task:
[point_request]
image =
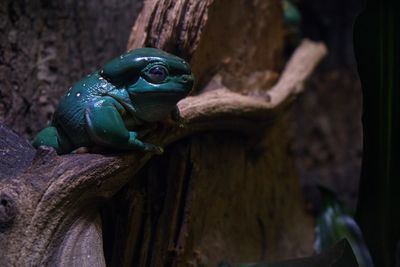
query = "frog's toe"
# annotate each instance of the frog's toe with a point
(159, 150)
(155, 149)
(179, 121)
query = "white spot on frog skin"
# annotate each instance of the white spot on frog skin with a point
(121, 56)
(84, 84)
(99, 103)
(68, 94)
(78, 94)
(101, 78)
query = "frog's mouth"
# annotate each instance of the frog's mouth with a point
(154, 106)
(149, 106)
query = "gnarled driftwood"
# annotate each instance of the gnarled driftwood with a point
(49, 209)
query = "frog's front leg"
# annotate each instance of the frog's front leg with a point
(107, 128)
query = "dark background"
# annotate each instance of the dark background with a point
(325, 122)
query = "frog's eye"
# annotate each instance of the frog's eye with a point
(157, 74)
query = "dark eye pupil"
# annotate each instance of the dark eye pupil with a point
(157, 74)
(157, 71)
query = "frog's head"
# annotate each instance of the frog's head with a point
(155, 80)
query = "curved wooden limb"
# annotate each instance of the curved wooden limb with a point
(174, 25)
(221, 107)
(46, 199)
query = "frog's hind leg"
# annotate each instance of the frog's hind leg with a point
(53, 137)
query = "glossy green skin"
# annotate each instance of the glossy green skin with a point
(115, 106)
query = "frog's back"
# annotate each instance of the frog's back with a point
(70, 113)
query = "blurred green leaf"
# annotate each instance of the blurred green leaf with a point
(334, 223)
(291, 15)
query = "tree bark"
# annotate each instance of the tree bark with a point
(46, 46)
(225, 187)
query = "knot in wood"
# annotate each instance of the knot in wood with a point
(8, 211)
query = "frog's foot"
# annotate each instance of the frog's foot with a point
(52, 137)
(154, 149)
(136, 143)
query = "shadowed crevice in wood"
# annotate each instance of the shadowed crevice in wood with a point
(8, 211)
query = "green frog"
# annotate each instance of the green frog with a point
(114, 106)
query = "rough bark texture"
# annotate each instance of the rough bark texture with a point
(230, 193)
(16, 153)
(178, 230)
(46, 46)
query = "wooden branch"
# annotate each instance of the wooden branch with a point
(214, 36)
(300, 66)
(76, 182)
(45, 209)
(221, 101)
(15, 152)
(174, 25)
